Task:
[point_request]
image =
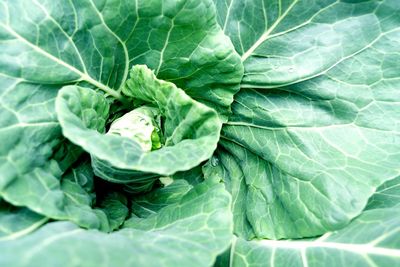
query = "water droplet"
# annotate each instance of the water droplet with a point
(214, 161)
(291, 70)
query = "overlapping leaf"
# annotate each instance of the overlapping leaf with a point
(48, 44)
(150, 203)
(314, 131)
(191, 130)
(17, 222)
(315, 128)
(370, 240)
(386, 196)
(190, 232)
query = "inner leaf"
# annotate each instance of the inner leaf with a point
(137, 149)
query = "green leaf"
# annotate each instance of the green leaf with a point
(313, 140)
(16, 222)
(314, 129)
(152, 202)
(189, 233)
(283, 42)
(49, 44)
(193, 176)
(78, 200)
(386, 196)
(191, 130)
(77, 185)
(30, 176)
(109, 37)
(114, 205)
(81, 174)
(370, 240)
(224, 166)
(182, 43)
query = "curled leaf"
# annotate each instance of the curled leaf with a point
(191, 130)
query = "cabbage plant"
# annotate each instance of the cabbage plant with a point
(199, 133)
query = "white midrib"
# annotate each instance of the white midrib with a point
(83, 76)
(228, 13)
(165, 47)
(126, 54)
(324, 71)
(46, 242)
(265, 35)
(65, 34)
(362, 249)
(25, 231)
(304, 260)
(232, 250)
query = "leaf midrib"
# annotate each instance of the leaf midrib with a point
(266, 35)
(123, 44)
(64, 33)
(25, 231)
(362, 249)
(83, 76)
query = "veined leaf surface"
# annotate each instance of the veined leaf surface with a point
(315, 128)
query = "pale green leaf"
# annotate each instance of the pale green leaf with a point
(48, 44)
(114, 205)
(152, 202)
(191, 130)
(315, 129)
(189, 233)
(370, 240)
(386, 196)
(16, 222)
